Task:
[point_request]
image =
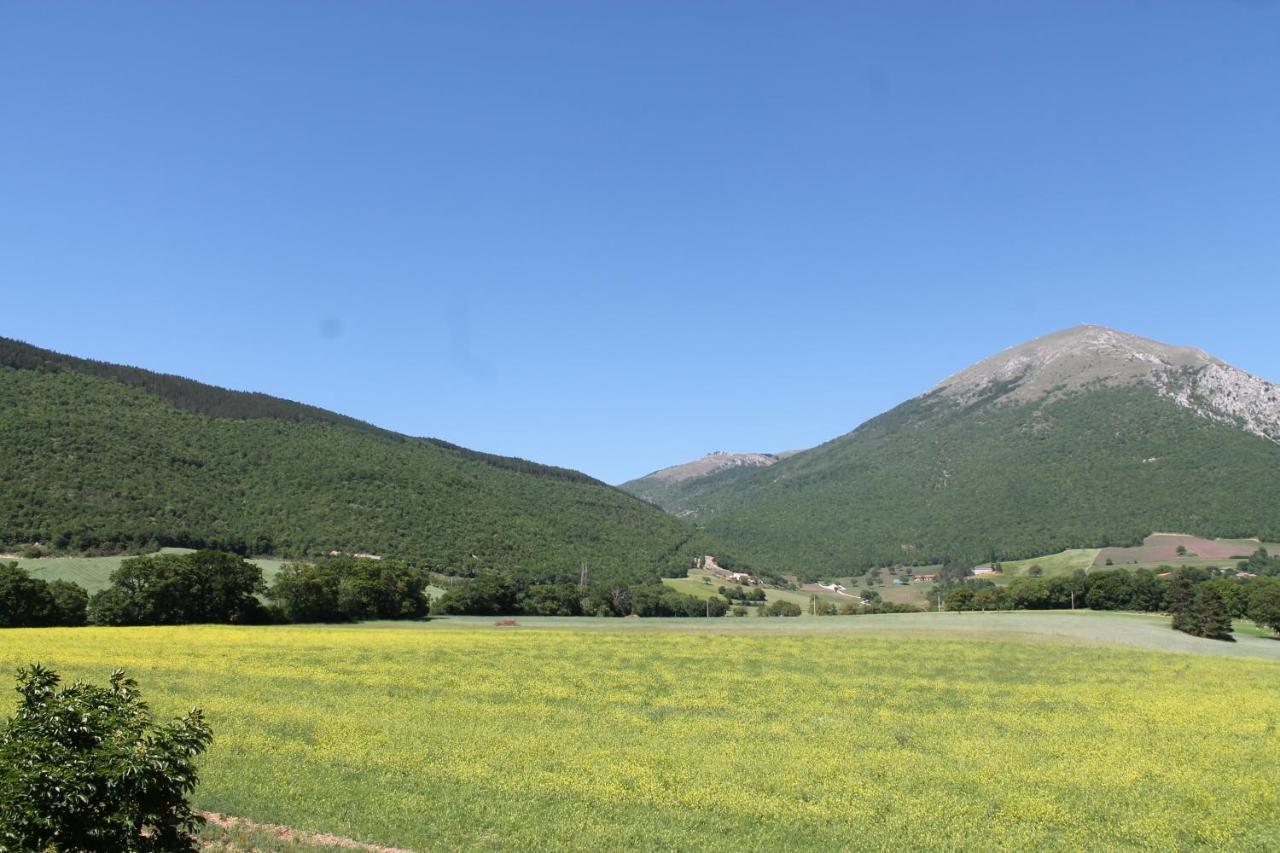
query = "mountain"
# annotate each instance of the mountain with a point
(96, 456)
(678, 488)
(1085, 437)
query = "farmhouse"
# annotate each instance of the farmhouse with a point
(924, 578)
(986, 570)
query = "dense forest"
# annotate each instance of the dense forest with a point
(99, 457)
(933, 480)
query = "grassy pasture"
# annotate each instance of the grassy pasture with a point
(1062, 563)
(860, 732)
(94, 573)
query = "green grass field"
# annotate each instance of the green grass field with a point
(1062, 563)
(954, 731)
(94, 573)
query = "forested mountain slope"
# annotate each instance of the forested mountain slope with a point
(99, 456)
(1083, 438)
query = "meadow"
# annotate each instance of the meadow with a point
(641, 734)
(94, 573)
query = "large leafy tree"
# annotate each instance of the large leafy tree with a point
(86, 768)
(176, 589)
(1264, 604)
(27, 602)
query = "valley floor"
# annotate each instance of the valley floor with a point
(1044, 731)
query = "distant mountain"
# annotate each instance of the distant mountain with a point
(678, 487)
(1086, 437)
(100, 456)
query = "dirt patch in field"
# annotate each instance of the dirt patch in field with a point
(242, 834)
(1163, 548)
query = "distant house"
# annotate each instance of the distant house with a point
(986, 570)
(1245, 575)
(924, 578)
(742, 577)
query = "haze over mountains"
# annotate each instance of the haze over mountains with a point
(1084, 437)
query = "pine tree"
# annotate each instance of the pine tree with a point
(1211, 616)
(1180, 601)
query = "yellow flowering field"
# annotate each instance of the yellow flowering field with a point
(440, 737)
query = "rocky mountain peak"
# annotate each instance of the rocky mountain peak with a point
(1086, 357)
(717, 460)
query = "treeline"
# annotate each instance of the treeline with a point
(27, 602)
(501, 595)
(1202, 601)
(206, 587)
(181, 393)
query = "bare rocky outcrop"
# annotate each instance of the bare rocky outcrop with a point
(713, 463)
(1087, 357)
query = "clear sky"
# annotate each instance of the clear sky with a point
(618, 235)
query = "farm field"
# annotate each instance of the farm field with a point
(94, 573)
(1162, 549)
(941, 730)
(1062, 563)
(694, 585)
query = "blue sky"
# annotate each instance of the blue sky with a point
(615, 236)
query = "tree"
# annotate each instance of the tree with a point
(1180, 595)
(1036, 570)
(1264, 604)
(70, 603)
(1210, 615)
(178, 589)
(25, 601)
(86, 768)
(782, 607)
(305, 594)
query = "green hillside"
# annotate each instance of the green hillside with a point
(102, 457)
(935, 479)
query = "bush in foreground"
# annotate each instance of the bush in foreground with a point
(86, 768)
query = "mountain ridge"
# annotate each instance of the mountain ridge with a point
(1083, 437)
(105, 457)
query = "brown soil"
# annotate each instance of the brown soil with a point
(288, 835)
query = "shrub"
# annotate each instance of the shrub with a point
(782, 607)
(85, 768)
